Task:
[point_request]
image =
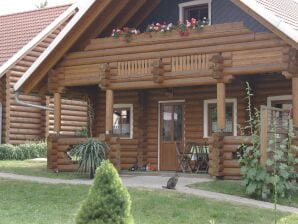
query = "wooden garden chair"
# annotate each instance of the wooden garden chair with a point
(183, 159)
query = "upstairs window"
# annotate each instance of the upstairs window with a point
(122, 120)
(198, 9)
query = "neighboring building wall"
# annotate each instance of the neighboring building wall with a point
(22, 124)
(2, 101)
(222, 11)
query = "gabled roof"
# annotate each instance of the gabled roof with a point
(20, 28)
(279, 16)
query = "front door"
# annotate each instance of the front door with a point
(171, 131)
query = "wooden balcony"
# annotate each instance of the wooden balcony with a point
(169, 60)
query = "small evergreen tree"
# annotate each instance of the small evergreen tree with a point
(108, 201)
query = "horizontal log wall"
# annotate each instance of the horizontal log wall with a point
(22, 123)
(223, 160)
(267, 85)
(129, 147)
(73, 116)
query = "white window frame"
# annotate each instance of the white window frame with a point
(194, 3)
(278, 98)
(130, 106)
(206, 115)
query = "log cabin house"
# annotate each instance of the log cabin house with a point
(23, 38)
(161, 88)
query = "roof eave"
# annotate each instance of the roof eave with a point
(37, 39)
(270, 21)
(74, 20)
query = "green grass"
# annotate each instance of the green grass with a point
(24, 203)
(34, 168)
(235, 188)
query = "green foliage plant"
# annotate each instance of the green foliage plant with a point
(253, 174)
(277, 178)
(30, 150)
(108, 201)
(82, 132)
(90, 155)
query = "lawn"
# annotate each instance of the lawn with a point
(235, 188)
(24, 203)
(35, 168)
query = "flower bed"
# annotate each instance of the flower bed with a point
(183, 28)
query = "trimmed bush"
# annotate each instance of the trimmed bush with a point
(23, 151)
(108, 201)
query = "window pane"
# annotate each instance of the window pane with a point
(213, 119)
(196, 12)
(178, 122)
(121, 122)
(167, 123)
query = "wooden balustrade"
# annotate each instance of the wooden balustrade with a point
(185, 61)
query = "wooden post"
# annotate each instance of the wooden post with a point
(264, 136)
(221, 105)
(217, 73)
(295, 100)
(57, 112)
(109, 111)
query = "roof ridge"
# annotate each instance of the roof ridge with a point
(35, 10)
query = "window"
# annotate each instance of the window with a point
(210, 117)
(122, 120)
(197, 9)
(172, 122)
(282, 102)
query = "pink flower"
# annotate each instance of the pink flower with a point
(193, 22)
(188, 24)
(157, 24)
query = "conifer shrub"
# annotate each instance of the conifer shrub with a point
(108, 201)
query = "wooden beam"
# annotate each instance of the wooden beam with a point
(143, 13)
(221, 105)
(104, 19)
(124, 16)
(57, 112)
(109, 111)
(295, 100)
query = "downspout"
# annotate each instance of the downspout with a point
(23, 103)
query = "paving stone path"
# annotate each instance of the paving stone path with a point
(155, 182)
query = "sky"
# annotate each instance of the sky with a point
(12, 6)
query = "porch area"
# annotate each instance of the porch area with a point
(154, 91)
